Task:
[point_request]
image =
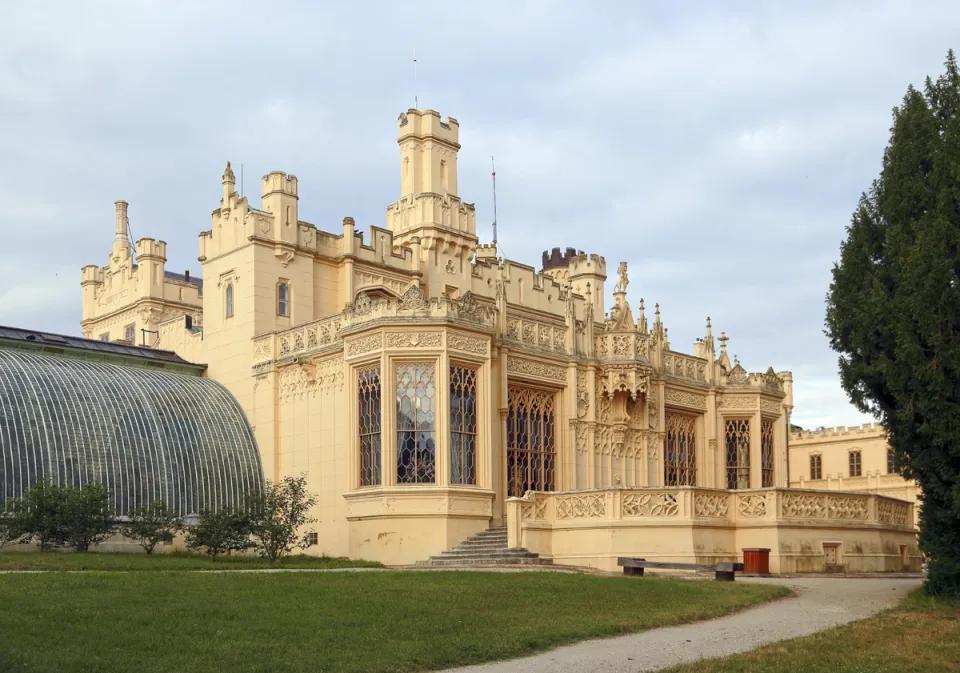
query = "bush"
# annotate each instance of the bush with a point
(10, 531)
(278, 514)
(218, 532)
(152, 525)
(88, 517)
(39, 515)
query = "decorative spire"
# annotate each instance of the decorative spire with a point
(228, 176)
(642, 320)
(228, 183)
(622, 279)
(723, 342)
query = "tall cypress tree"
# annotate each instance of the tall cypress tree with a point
(893, 310)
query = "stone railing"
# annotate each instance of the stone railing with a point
(685, 367)
(297, 341)
(537, 334)
(690, 505)
(622, 346)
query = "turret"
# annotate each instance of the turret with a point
(121, 239)
(151, 258)
(589, 271)
(279, 194)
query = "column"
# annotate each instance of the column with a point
(756, 478)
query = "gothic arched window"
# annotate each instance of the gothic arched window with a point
(228, 301)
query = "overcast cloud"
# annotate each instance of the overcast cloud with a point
(719, 151)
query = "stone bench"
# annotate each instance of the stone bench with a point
(725, 571)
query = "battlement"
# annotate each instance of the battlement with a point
(584, 264)
(149, 248)
(278, 181)
(91, 273)
(554, 259)
(873, 429)
(428, 124)
(486, 251)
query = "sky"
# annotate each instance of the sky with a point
(719, 150)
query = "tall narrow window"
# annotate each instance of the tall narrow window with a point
(891, 461)
(463, 425)
(129, 333)
(737, 436)
(680, 451)
(368, 394)
(105, 336)
(531, 442)
(855, 464)
(816, 467)
(283, 299)
(416, 438)
(766, 454)
(228, 301)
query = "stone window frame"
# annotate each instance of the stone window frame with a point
(228, 301)
(284, 298)
(855, 460)
(697, 425)
(454, 430)
(819, 464)
(130, 330)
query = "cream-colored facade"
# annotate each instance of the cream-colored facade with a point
(855, 458)
(422, 382)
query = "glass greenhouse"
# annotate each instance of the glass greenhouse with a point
(145, 433)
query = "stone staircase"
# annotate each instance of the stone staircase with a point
(488, 547)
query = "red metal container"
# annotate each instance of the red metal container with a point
(756, 561)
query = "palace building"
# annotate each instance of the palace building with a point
(430, 389)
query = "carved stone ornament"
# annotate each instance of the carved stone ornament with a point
(285, 257)
(771, 380)
(413, 299)
(684, 398)
(467, 344)
(629, 379)
(738, 375)
(468, 308)
(534, 368)
(414, 339)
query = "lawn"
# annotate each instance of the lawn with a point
(372, 621)
(174, 561)
(921, 636)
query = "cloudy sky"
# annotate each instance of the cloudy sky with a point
(719, 151)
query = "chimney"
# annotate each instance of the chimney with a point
(186, 275)
(188, 321)
(121, 217)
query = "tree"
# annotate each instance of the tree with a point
(219, 531)
(10, 531)
(87, 516)
(893, 310)
(39, 514)
(152, 525)
(277, 515)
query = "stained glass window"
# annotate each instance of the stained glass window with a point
(737, 436)
(368, 393)
(680, 451)
(463, 425)
(531, 447)
(416, 436)
(766, 454)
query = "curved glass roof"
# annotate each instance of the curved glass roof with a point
(144, 433)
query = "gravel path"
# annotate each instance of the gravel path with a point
(820, 603)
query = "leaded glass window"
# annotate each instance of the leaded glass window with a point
(766, 454)
(368, 394)
(680, 451)
(531, 441)
(737, 436)
(416, 436)
(816, 467)
(855, 464)
(283, 299)
(463, 425)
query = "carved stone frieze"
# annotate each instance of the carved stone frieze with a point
(580, 506)
(752, 505)
(414, 339)
(467, 344)
(770, 406)
(631, 379)
(684, 399)
(738, 402)
(537, 369)
(583, 395)
(365, 344)
(711, 505)
(654, 504)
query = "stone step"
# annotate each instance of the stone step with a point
(473, 554)
(513, 560)
(480, 545)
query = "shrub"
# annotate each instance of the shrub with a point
(152, 525)
(39, 515)
(88, 517)
(278, 514)
(217, 532)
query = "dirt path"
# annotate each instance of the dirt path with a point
(820, 603)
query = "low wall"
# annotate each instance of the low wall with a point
(805, 530)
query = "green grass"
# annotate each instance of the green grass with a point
(175, 561)
(920, 636)
(382, 621)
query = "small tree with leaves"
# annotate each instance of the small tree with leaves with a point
(87, 516)
(152, 524)
(277, 516)
(39, 515)
(10, 531)
(218, 531)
